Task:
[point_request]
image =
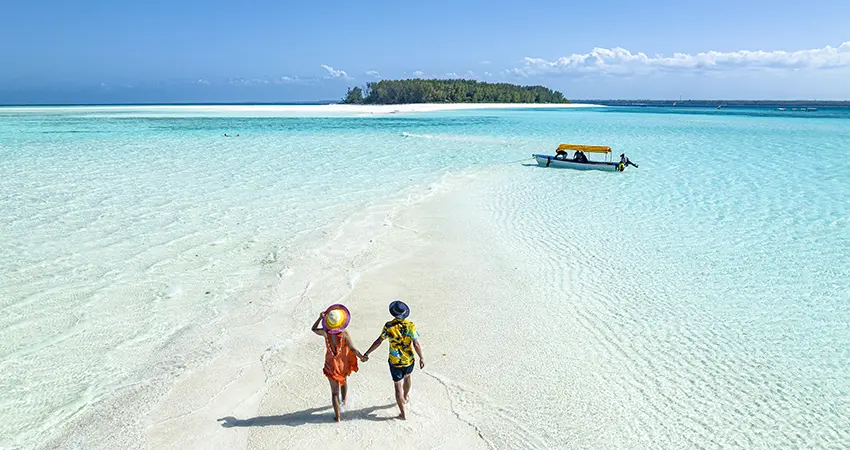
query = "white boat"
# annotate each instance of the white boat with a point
(553, 161)
(563, 160)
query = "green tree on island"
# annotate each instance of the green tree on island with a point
(388, 92)
(354, 96)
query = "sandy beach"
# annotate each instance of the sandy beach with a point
(475, 391)
(266, 389)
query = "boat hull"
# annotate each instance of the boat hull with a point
(550, 161)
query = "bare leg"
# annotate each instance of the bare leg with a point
(335, 398)
(407, 388)
(399, 399)
(344, 390)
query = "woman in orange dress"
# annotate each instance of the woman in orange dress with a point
(340, 354)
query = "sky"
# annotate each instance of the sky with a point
(155, 51)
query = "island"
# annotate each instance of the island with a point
(416, 90)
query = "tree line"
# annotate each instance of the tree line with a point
(388, 92)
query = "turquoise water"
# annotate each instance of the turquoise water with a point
(121, 234)
(704, 296)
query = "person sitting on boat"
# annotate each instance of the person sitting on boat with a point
(624, 160)
(561, 154)
(580, 157)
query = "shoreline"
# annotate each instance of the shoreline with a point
(286, 110)
(228, 403)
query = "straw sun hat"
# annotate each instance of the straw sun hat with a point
(336, 319)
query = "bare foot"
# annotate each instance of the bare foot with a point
(336, 419)
(402, 416)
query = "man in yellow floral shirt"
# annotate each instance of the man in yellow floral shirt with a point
(403, 341)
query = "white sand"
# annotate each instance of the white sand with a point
(268, 374)
(481, 388)
(286, 110)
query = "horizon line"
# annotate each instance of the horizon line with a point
(712, 102)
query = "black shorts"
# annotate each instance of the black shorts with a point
(398, 373)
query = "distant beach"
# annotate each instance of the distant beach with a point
(283, 110)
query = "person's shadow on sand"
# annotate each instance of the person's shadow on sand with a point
(312, 415)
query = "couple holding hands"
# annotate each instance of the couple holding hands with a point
(341, 356)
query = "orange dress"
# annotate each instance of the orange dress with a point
(339, 361)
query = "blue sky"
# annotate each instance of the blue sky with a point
(58, 51)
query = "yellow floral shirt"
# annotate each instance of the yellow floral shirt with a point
(401, 333)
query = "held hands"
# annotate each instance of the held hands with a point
(363, 358)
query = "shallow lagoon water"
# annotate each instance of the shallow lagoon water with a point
(122, 234)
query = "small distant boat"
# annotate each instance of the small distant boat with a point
(578, 160)
(719, 106)
(782, 109)
(811, 109)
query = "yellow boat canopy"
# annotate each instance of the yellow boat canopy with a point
(586, 148)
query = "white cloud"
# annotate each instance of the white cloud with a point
(238, 81)
(485, 62)
(333, 73)
(373, 74)
(619, 61)
(241, 81)
(488, 74)
(201, 81)
(418, 73)
(287, 80)
(451, 75)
